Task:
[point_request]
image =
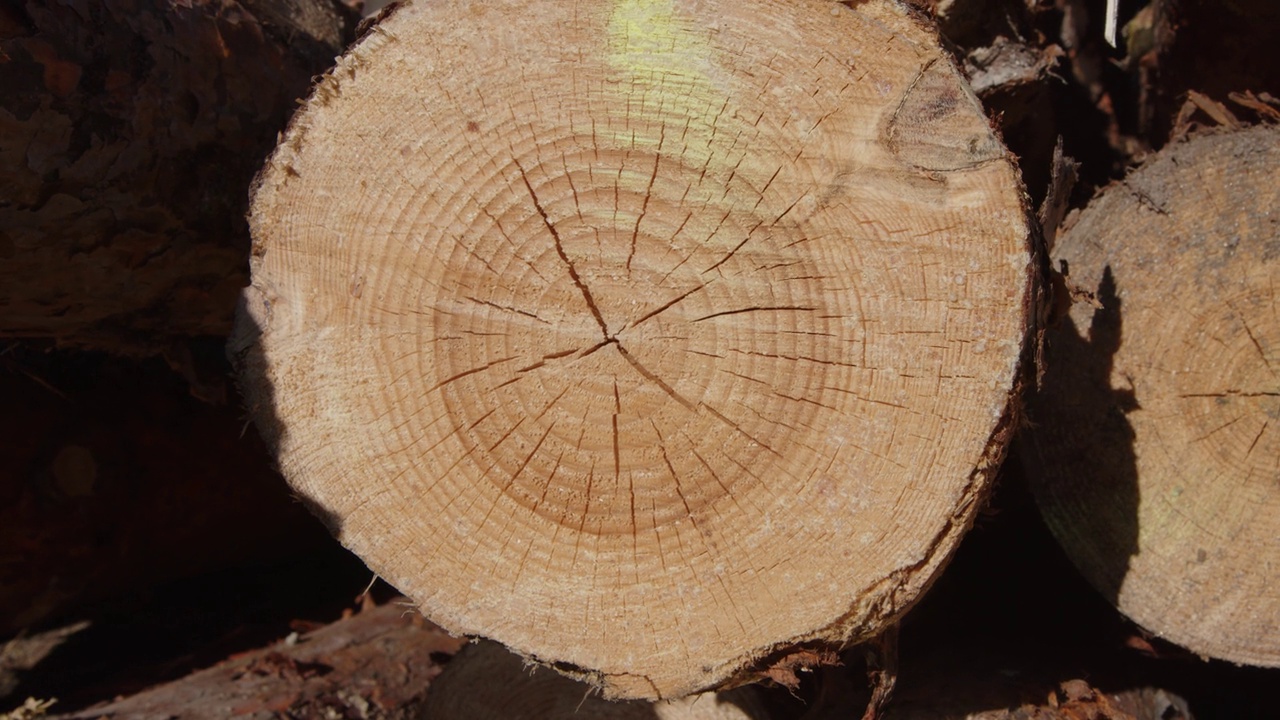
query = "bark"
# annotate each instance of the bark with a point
(670, 344)
(377, 665)
(1156, 436)
(129, 133)
(952, 685)
(1214, 48)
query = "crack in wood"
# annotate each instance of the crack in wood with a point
(555, 235)
(648, 375)
(648, 193)
(763, 308)
(1232, 393)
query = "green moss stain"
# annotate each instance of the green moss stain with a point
(662, 66)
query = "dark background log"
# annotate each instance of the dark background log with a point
(129, 132)
(115, 479)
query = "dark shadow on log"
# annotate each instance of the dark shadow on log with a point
(1083, 471)
(1011, 621)
(486, 680)
(246, 354)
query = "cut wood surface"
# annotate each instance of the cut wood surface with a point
(129, 133)
(1157, 434)
(663, 342)
(486, 681)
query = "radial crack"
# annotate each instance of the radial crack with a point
(648, 193)
(1231, 393)
(1257, 345)
(555, 235)
(653, 378)
(672, 303)
(1256, 438)
(617, 455)
(735, 249)
(465, 373)
(733, 425)
(506, 308)
(774, 308)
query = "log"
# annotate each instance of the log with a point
(378, 664)
(1153, 457)
(129, 134)
(666, 343)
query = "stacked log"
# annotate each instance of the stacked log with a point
(1156, 432)
(667, 343)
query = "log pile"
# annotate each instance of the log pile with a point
(674, 345)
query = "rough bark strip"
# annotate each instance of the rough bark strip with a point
(377, 665)
(486, 681)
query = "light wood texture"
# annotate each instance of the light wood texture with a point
(652, 339)
(1158, 432)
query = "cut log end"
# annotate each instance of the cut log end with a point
(650, 339)
(1159, 427)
